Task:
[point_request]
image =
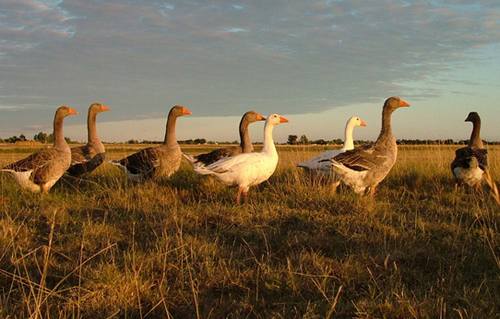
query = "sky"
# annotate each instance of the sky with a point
(315, 62)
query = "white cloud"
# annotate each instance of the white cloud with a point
(235, 30)
(220, 57)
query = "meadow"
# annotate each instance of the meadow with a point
(179, 248)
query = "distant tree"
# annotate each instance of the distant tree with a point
(132, 141)
(337, 141)
(320, 142)
(200, 141)
(303, 140)
(292, 139)
(12, 139)
(41, 137)
(22, 137)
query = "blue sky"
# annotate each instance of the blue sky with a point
(316, 62)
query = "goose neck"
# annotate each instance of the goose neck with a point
(245, 143)
(170, 138)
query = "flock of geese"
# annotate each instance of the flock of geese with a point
(361, 168)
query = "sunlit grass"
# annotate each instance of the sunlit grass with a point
(180, 248)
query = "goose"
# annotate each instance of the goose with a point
(41, 170)
(244, 147)
(318, 163)
(470, 165)
(86, 158)
(160, 161)
(247, 169)
(365, 167)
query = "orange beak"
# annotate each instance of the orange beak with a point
(104, 108)
(72, 111)
(186, 111)
(363, 123)
(403, 103)
(283, 120)
(260, 117)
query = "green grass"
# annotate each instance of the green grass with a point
(180, 248)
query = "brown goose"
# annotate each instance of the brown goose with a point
(244, 147)
(161, 161)
(366, 166)
(470, 165)
(86, 158)
(41, 170)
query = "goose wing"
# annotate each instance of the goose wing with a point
(143, 162)
(216, 155)
(465, 154)
(45, 164)
(363, 158)
(80, 168)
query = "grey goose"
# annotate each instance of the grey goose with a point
(470, 165)
(41, 170)
(244, 147)
(160, 161)
(365, 167)
(86, 158)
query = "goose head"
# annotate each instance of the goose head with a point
(98, 108)
(275, 119)
(473, 117)
(357, 121)
(179, 110)
(64, 111)
(252, 116)
(394, 103)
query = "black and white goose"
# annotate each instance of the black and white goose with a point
(41, 170)
(244, 147)
(470, 165)
(365, 167)
(160, 161)
(86, 158)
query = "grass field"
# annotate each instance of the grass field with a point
(180, 248)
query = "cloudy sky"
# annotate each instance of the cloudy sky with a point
(316, 62)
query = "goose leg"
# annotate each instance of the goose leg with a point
(238, 196)
(372, 191)
(245, 196)
(334, 187)
(44, 189)
(493, 186)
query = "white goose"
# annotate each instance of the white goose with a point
(319, 164)
(248, 169)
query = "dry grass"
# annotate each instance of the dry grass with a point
(179, 248)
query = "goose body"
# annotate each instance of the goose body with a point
(86, 158)
(321, 163)
(470, 165)
(248, 169)
(365, 167)
(160, 161)
(41, 170)
(151, 162)
(244, 147)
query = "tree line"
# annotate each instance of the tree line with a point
(43, 137)
(304, 140)
(40, 137)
